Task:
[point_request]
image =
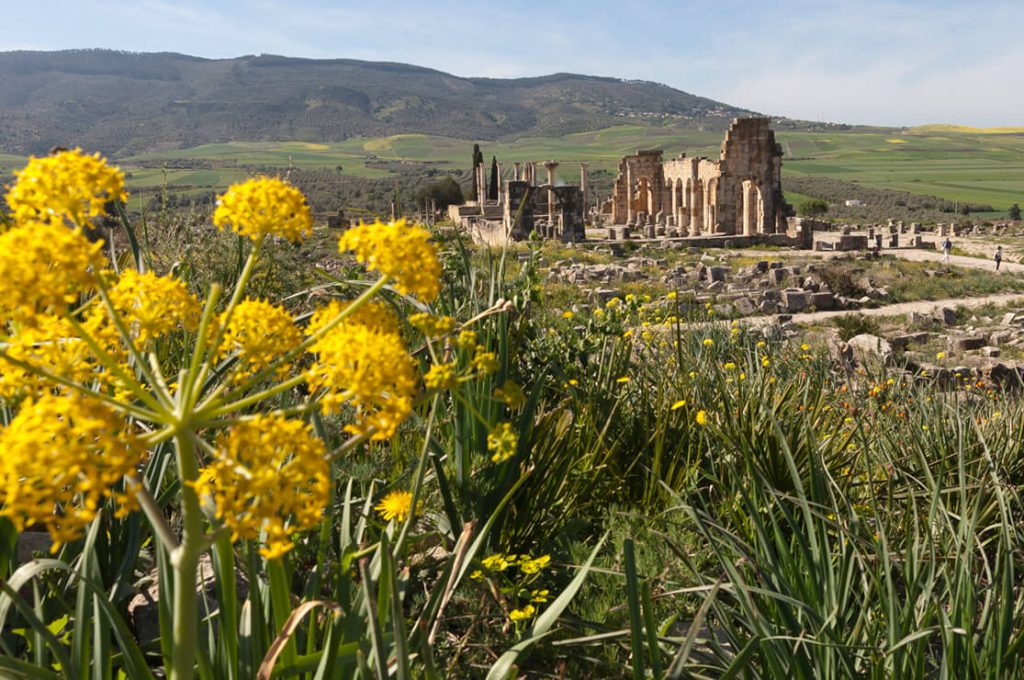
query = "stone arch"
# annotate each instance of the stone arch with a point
(752, 206)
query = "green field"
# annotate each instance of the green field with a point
(974, 166)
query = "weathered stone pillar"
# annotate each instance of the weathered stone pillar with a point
(630, 217)
(675, 203)
(748, 208)
(550, 167)
(515, 171)
(501, 187)
(585, 188)
(481, 184)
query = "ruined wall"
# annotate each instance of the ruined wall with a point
(740, 193)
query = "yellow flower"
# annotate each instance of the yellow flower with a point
(539, 596)
(68, 185)
(502, 442)
(49, 344)
(441, 377)
(432, 326)
(62, 455)
(702, 417)
(466, 340)
(153, 305)
(623, 379)
(760, 344)
(805, 347)
(533, 566)
(377, 316)
(765, 362)
(264, 206)
(372, 370)
(43, 268)
(400, 252)
(395, 505)
(512, 394)
(729, 366)
(678, 405)
(708, 342)
(613, 303)
(567, 314)
(485, 362)
(269, 474)
(940, 356)
(496, 562)
(671, 295)
(260, 333)
(524, 614)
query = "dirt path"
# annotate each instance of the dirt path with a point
(911, 254)
(903, 308)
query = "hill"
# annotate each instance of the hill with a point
(123, 103)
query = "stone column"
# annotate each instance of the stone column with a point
(748, 208)
(675, 203)
(481, 184)
(630, 217)
(515, 171)
(501, 187)
(585, 188)
(550, 167)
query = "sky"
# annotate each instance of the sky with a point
(882, 62)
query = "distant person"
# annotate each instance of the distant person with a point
(998, 257)
(947, 246)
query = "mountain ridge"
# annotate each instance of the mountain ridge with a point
(129, 102)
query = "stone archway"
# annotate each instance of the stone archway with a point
(753, 217)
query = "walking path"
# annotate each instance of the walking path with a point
(903, 308)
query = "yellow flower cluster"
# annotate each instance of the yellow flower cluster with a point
(401, 252)
(264, 206)
(441, 377)
(432, 326)
(271, 475)
(501, 442)
(368, 367)
(48, 345)
(260, 333)
(395, 505)
(69, 185)
(376, 316)
(62, 455)
(43, 268)
(153, 305)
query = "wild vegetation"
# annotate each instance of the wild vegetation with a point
(274, 459)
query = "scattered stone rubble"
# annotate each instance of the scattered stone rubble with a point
(765, 287)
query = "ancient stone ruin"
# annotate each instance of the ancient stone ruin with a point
(739, 194)
(552, 210)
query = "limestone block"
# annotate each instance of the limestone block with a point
(946, 315)
(718, 273)
(965, 343)
(823, 301)
(795, 300)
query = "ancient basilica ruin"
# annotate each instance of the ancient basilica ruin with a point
(740, 194)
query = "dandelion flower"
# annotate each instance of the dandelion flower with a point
(394, 506)
(524, 614)
(678, 405)
(702, 417)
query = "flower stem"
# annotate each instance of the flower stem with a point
(185, 561)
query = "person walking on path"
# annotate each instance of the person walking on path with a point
(947, 246)
(998, 257)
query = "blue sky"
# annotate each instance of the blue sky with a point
(891, 62)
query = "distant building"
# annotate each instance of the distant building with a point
(854, 203)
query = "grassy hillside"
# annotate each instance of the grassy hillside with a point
(975, 168)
